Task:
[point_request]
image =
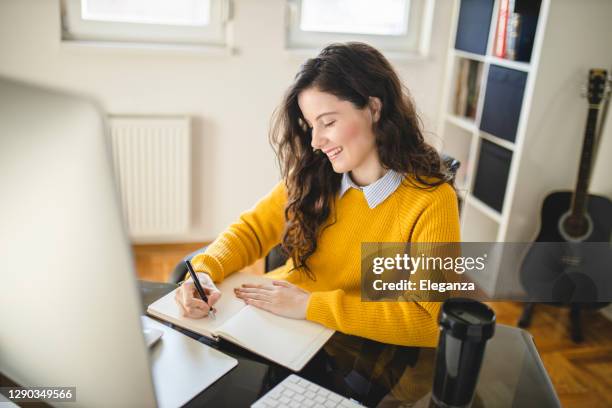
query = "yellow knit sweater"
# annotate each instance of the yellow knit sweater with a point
(409, 214)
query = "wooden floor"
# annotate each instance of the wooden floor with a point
(156, 262)
(581, 374)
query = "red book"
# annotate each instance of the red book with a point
(500, 34)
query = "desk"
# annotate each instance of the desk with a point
(381, 375)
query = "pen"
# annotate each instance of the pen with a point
(199, 288)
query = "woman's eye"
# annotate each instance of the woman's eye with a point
(330, 123)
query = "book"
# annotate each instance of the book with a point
(462, 90)
(469, 73)
(477, 67)
(458, 90)
(513, 30)
(472, 94)
(288, 342)
(500, 32)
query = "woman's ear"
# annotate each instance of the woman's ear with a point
(375, 107)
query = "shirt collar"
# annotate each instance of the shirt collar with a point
(376, 192)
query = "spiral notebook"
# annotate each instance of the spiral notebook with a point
(288, 342)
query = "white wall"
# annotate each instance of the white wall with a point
(230, 97)
(601, 182)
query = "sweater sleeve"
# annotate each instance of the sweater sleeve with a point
(252, 236)
(408, 323)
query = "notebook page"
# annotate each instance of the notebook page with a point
(167, 309)
(289, 342)
(226, 307)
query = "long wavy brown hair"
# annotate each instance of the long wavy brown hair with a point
(352, 72)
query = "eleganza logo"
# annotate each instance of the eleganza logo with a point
(487, 271)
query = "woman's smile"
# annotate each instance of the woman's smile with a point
(332, 154)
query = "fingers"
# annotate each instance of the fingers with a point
(253, 294)
(190, 296)
(186, 292)
(198, 303)
(261, 304)
(195, 313)
(191, 312)
(258, 286)
(189, 305)
(212, 293)
(260, 292)
(253, 290)
(214, 298)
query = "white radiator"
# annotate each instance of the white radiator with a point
(151, 157)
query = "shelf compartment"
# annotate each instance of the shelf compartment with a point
(492, 174)
(503, 101)
(467, 84)
(492, 213)
(457, 143)
(464, 123)
(515, 23)
(476, 225)
(473, 25)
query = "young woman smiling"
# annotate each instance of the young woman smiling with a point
(355, 168)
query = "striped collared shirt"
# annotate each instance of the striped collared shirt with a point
(376, 192)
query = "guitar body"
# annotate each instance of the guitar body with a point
(570, 271)
(557, 204)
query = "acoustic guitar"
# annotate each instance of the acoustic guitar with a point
(571, 270)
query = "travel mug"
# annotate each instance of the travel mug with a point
(466, 325)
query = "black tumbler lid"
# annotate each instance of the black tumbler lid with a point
(467, 319)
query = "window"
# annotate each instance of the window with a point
(191, 22)
(401, 26)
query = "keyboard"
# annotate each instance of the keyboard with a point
(297, 392)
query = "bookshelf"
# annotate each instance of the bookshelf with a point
(523, 140)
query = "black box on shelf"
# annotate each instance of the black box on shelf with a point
(503, 101)
(492, 174)
(529, 12)
(473, 26)
(520, 36)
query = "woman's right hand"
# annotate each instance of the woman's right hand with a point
(189, 301)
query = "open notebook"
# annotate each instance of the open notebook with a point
(288, 342)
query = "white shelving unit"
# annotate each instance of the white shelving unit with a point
(571, 37)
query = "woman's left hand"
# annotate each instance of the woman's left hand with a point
(281, 298)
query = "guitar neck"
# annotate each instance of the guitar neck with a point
(586, 158)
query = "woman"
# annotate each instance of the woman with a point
(355, 168)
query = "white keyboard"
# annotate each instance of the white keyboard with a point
(295, 391)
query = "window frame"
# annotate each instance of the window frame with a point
(415, 43)
(76, 29)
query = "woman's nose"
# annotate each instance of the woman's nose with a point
(317, 141)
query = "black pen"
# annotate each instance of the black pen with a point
(199, 288)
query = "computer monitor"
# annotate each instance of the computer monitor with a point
(69, 302)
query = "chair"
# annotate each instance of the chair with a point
(277, 257)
